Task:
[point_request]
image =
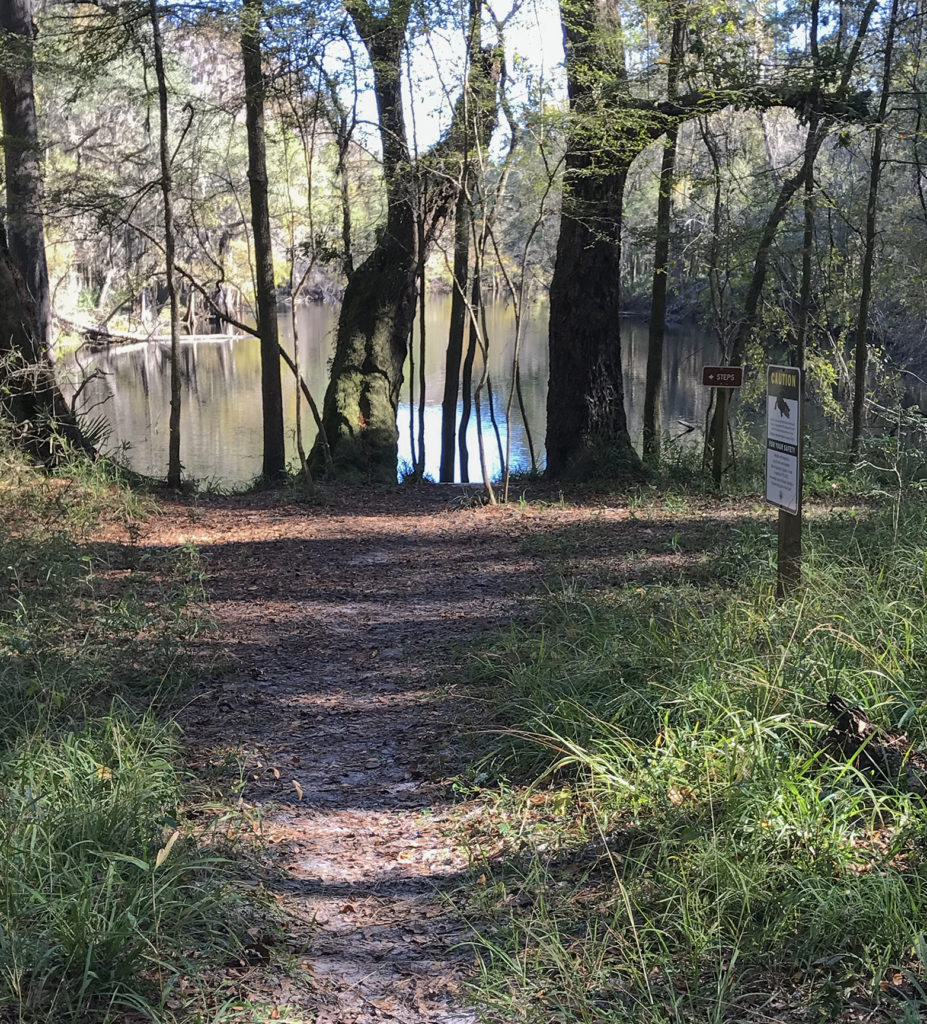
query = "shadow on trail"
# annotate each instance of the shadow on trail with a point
(342, 646)
(342, 661)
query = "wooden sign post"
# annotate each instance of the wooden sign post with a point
(722, 379)
(784, 468)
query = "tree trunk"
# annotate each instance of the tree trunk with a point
(865, 296)
(24, 189)
(422, 342)
(30, 400)
(173, 444)
(374, 326)
(29, 393)
(654, 379)
(587, 430)
(458, 324)
(456, 331)
(379, 303)
(466, 381)
(274, 459)
(807, 252)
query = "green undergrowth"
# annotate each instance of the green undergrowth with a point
(114, 905)
(686, 848)
(886, 465)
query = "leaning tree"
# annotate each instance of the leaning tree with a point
(375, 323)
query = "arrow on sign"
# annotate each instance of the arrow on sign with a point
(722, 376)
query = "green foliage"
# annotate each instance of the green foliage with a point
(698, 843)
(109, 896)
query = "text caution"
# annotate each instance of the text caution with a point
(783, 437)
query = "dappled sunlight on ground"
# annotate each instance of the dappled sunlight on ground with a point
(339, 673)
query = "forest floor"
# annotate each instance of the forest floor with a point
(342, 631)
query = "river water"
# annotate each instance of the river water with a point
(221, 413)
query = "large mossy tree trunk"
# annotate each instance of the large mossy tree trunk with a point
(359, 412)
(587, 432)
(374, 327)
(587, 429)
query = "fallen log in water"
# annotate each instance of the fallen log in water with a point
(99, 336)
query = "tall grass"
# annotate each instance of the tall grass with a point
(699, 854)
(109, 900)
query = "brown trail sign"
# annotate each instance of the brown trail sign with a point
(722, 376)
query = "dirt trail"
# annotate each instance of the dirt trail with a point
(343, 629)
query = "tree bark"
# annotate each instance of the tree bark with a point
(24, 188)
(274, 453)
(456, 331)
(466, 380)
(865, 296)
(458, 324)
(173, 444)
(654, 379)
(376, 317)
(587, 430)
(30, 400)
(29, 394)
(359, 410)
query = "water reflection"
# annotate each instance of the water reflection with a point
(221, 416)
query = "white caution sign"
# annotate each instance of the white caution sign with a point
(783, 437)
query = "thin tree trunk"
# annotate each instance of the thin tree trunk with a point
(466, 381)
(274, 455)
(865, 296)
(422, 339)
(654, 378)
(458, 323)
(173, 455)
(412, 453)
(456, 330)
(716, 290)
(490, 398)
(804, 297)
(478, 323)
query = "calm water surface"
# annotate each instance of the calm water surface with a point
(221, 414)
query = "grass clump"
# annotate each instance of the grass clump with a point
(110, 901)
(689, 850)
